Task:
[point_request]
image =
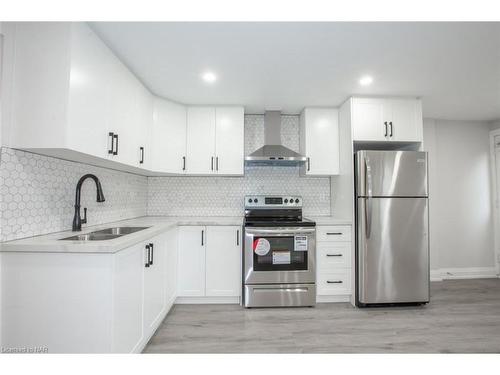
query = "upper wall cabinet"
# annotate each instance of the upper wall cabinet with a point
(381, 119)
(73, 98)
(168, 140)
(319, 141)
(215, 140)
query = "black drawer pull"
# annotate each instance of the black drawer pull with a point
(333, 255)
(151, 246)
(115, 151)
(334, 282)
(112, 136)
(334, 233)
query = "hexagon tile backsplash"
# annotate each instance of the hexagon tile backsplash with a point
(38, 194)
(223, 196)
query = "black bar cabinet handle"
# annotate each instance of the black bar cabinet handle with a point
(183, 163)
(112, 135)
(202, 234)
(151, 246)
(334, 282)
(216, 163)
(142, 155)
(390, 123)
(333, 255)
(334, 233)
(147, 261)
(385, 126)
(212, 163)
(237, 237)
(115, 151)
(308, 164)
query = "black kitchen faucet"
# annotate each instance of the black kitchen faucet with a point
(77, 220)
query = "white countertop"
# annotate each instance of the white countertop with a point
(330, 220)
(50, 243)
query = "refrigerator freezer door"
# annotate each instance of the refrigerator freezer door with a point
(391, 173)
(392, 250)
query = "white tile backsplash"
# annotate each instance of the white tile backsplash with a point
(223, 196)
(38, 194)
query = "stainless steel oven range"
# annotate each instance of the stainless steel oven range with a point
(278, 253)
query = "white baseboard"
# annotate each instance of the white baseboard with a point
(464, 273)
(333, 299)
(207, 300)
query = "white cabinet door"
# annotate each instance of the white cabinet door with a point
(229, 145)
(88, 93)
(406, 120)
(155, 282)
(128, 299)
(223, 261)
(320, 143)
(168, 137)
(200, 155)
(368, 117)
(191, 271)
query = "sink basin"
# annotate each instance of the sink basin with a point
(92, 237)
(104, 234)
(120, 230)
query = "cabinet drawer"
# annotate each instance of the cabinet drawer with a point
(333, 233)
(334, 283)
(333, 255)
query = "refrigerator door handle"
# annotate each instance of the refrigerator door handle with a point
(368, 205)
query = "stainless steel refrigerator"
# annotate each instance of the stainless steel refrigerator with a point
(392, 228)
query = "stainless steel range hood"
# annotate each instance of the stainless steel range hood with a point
(273, 152)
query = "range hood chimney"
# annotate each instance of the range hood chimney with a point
(273, 152)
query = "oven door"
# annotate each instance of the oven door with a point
(279, 255)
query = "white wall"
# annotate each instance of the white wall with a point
(461, 211)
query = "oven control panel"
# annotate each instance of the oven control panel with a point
(273, 201)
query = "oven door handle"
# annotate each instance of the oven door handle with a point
(279, 231)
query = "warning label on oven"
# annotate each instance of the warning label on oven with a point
(300, 243)
(281, 257)
(261, 246)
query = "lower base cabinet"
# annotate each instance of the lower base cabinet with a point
(209, 263)
(88, 303)
(334, 263)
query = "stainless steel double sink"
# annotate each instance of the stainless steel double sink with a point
(104, 234)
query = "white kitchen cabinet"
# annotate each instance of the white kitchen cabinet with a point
(143, 128)
(387, 119)
(319, 141)
(209, 261)
(215, 140)
(229, 140)
(191, 271)
(77, 92)
(168, 140)
(200, 149)
(334, 263)
(223, 261)
(87, 302)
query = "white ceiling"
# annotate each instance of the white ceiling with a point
(454, 67)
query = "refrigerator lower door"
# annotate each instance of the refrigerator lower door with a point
(392, 250)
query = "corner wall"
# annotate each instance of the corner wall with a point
(461, 208)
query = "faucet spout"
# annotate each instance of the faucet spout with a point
(77, 220)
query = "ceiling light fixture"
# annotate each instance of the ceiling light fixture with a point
(366, 81)
(209, 77)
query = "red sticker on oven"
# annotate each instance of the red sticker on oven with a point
(261, 246)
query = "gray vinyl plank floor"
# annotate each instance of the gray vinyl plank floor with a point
(463, 317)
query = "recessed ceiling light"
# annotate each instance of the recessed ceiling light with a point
(365, 81)
(209, 77)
